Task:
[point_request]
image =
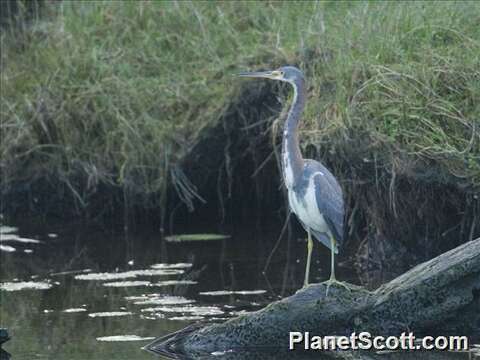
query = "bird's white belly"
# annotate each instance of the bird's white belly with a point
(307, 210)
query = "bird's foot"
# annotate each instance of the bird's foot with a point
(333, 281)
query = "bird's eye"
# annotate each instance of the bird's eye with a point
(278, 73)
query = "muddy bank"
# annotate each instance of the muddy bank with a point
(400, 210)
(397, 215)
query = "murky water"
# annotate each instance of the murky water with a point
(79, 293)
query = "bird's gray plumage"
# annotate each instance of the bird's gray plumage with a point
(306, 173)
(329, 200)
(314, 195)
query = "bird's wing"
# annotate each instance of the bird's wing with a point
(329, 197)
(323, 238)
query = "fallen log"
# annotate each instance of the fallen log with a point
(438, 297)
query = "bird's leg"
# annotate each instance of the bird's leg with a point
(332, 279)
(332, 266)
(309, 255)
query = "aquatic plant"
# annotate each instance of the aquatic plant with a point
(195, 237)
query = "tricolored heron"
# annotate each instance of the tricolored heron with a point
(314, 195)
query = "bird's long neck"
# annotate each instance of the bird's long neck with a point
(292, 161)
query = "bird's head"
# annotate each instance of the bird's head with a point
(288, 74)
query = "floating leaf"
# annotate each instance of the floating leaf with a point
(230, 292)
(196, 237)
(127, 283)
(194, 310)
(74, 310)
(7, 229)
(14, 237)
(109, 313)
(71, 272)
(171, 266)
(165, 300)
(7, 248)
(106, 276)
(187, 318)
(129, 274)
(25, 285)
(175, 282)
(124, 338)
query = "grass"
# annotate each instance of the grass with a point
(118, 92)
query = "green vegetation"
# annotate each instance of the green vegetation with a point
(118, 92)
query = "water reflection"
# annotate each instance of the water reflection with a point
(85, 294)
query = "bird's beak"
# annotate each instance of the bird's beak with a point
(260, 74)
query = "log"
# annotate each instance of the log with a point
(438, 297)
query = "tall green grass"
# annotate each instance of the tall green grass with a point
(118, 92)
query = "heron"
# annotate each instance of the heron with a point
(314, 194)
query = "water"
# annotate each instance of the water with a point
(82, 293)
